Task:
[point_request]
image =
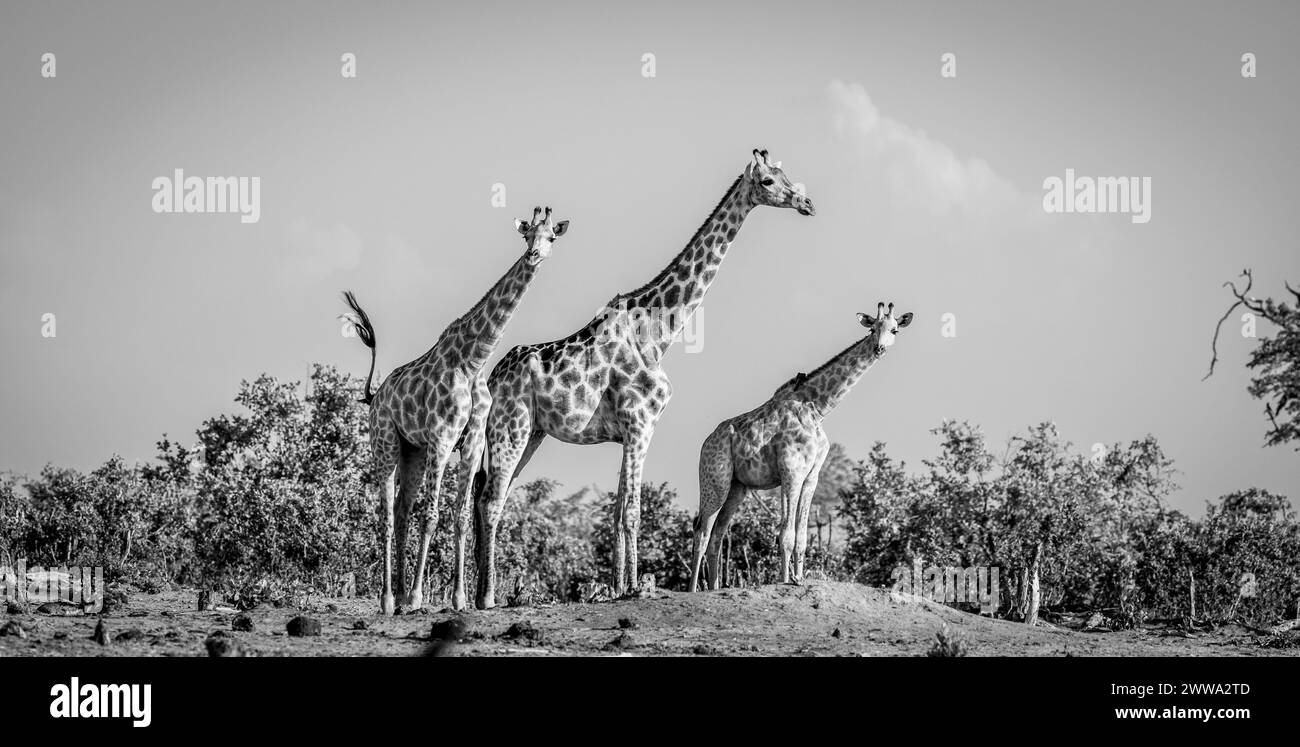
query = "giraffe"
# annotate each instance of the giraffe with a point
(781, 443)
(603, 383)
(434, 405)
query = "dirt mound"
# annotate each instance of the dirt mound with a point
(820, 618)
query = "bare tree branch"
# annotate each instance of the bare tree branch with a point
(1241, 301)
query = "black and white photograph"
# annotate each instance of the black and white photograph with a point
(708, 331)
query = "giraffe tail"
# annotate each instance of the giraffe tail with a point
(366, 331)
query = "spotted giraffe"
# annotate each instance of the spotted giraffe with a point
(434, 405)
(603, 383)
(781, 444)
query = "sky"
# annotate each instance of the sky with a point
(929, 193)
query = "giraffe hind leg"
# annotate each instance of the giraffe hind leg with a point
(410, 477)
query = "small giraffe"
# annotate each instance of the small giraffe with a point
(603, 383)
(781, 443)
(434, 405)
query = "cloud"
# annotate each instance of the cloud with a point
(923, 173)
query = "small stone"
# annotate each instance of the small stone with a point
(101, 635)
(12, 628)
(220, 644)
(837, 634)
(524, 631)
(58, 609)
(134, 634)
(14, 607)
(302, 626)
(625, 640)
(243, 622)
(1097, 620)
(361, 625)
(627, 623)
(451, 629)
(704, 649)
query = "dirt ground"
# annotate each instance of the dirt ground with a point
(820, 618)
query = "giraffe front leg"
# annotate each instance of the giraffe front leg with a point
(801, 525)
(789, 515)
(806, 494)
(628, 514)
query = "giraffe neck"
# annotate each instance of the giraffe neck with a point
(477, 333)
(829, 385)
(660, 309)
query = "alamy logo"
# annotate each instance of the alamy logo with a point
(78, 586)
(215, 194)
(949, 585)
(647, 324)
(1105, 194)
(76, 700)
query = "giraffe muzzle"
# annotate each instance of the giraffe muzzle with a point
(804, 205)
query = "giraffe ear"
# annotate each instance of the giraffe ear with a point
(865, 320)
(560, 228)
(521, 226)
(905, 320)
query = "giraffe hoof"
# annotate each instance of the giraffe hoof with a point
(386, 607)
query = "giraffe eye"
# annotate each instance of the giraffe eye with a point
(768, 181)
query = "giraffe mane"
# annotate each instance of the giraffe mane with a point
(671, 265)
(837, 356)
(477, 304)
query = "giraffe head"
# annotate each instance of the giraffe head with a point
(768, 185)
(539, 233)
(884, 325)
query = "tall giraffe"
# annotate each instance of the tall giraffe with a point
(603, 383)
(781, 444)
(437, 404)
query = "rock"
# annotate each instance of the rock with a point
(1095, 622)
(451, 629)
(624, 641)
(524, 595)
(361, 625)
(101, 635)
(302, 626)
(524, 631)
(59, 609)
(627, 623)
(704, 649)
(243, 622)
(14, 607)
(134, 634)
(114, 599)
(220, 644)
(647, 588)
(12, 628)
(837, 634)
(594, 591)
